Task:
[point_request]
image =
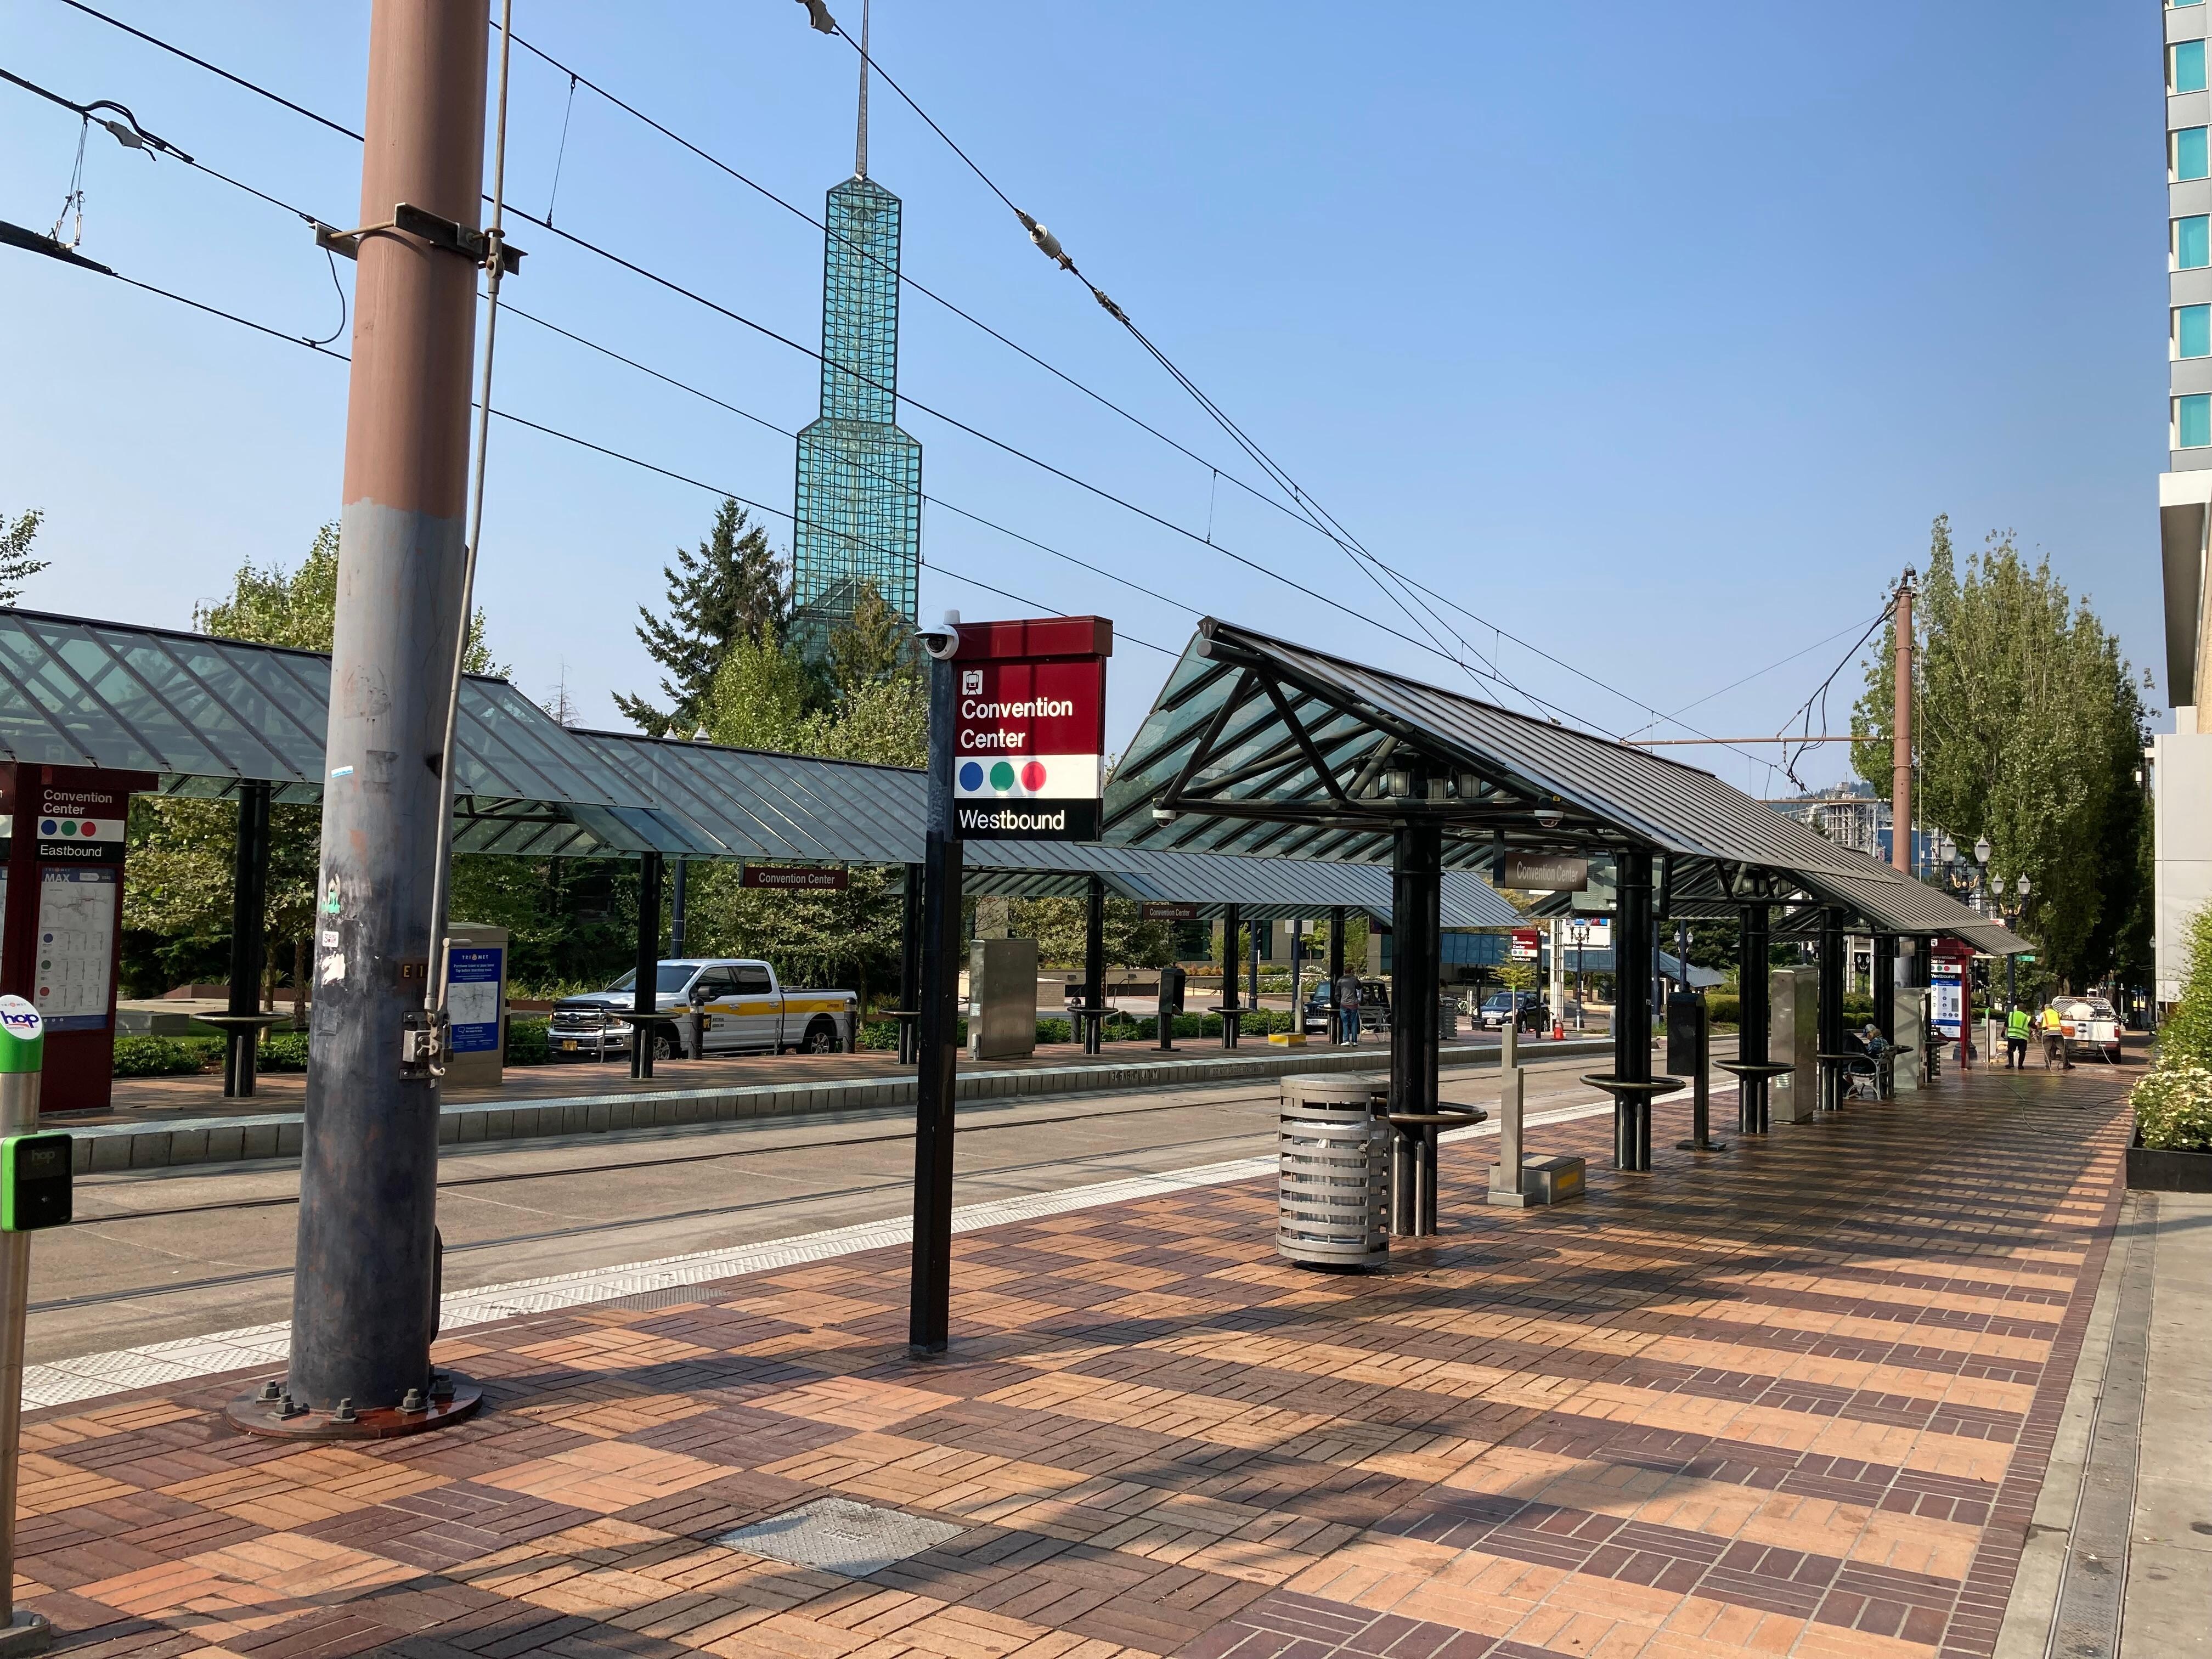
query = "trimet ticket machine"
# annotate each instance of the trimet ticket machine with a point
(61, 903)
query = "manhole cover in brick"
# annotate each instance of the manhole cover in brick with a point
(841, 1535)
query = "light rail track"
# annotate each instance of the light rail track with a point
(260, 1275)
(614, 1167)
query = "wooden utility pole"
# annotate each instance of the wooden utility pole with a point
(1901, 741)
(364, 1304)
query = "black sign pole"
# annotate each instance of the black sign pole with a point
(929, 1319)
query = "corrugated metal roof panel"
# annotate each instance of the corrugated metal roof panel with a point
(1201, 745)
(208, 714)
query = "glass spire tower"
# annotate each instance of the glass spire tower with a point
(858, 512)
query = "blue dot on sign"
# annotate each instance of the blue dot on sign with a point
(49, 827)
(971, 775)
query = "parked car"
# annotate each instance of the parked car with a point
(1499, 1006)
(731, 1006)
(1374, 1008)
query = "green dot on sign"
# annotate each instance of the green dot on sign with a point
(1002, 776)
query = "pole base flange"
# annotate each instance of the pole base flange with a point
(254, 1415)
(29, 1632)
(1701, 1146)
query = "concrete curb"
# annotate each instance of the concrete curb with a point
(105, 1148)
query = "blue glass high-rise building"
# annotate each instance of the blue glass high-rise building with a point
(858, 511)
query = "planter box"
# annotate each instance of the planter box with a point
(2167, 1172)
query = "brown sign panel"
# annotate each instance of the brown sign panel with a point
(1168, 911)
(786, 879)
(1536, 872)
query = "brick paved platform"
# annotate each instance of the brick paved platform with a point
(1793, 1399)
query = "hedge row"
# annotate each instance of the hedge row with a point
(881, 1036)
(283, 1051)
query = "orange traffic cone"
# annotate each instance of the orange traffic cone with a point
(1559, 1029)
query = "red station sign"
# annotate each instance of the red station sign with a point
(1030, 738)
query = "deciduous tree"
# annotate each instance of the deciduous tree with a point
(2029, 731)
(16, 564)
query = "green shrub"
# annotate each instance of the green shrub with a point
(2173, 1107)
(284, 1051)
(529, 1042)
(155, 1056)
(2185, 1038)
(1723, 1008)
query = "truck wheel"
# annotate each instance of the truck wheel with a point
(821, 1038)
(667, 1046)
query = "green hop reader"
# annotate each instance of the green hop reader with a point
(35, 1178)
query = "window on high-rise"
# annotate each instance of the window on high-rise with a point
(2192, 421)
(2176, 5)
(2192, 331)
(2184, 66)
(2192, 243)
(2187, 155)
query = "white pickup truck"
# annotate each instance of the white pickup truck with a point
(731, 1006)
(2090, 1023)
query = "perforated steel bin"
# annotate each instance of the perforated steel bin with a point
(1333, 1159)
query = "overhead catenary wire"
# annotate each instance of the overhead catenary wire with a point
(576, 77)
(1336, 605)
(572, 438)
(309, 218)
(1316, 516)
(1429, 646)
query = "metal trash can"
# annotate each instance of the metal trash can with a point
(1447, 1016)
(1334, 1181)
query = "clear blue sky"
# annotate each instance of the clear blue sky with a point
(1655, 334)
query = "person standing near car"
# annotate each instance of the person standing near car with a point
(2054, 1037)
(2017, 1028)
(1347, 1008)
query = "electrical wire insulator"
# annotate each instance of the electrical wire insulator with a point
(1046, 243)
(1112, 310)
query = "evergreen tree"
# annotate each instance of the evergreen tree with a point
(875, 646)
(16, 564)
(733, 589)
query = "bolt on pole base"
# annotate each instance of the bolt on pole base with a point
(29, 1632)
(275, 1417)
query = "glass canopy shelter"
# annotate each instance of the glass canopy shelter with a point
(1260, 746)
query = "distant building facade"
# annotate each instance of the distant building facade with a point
(1851, 815)
(2182, 759)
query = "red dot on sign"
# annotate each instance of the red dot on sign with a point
(1033, 775)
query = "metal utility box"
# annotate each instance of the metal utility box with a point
(1909, 1008)
(1002, 1013)
(1551, 1180)
(1793, 1039)
(476, 1002)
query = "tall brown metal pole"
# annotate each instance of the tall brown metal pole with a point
(363, 1309)
(1900, 742)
